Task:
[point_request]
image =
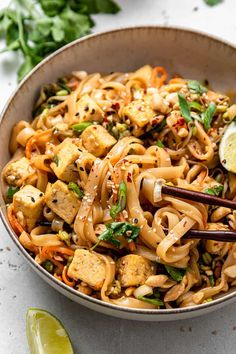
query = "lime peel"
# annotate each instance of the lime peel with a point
(46, 334)
(227, 148)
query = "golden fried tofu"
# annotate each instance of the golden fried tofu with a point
(88, 110)
(133, 270)
(87, 267)
(18, 171)
(97, 140)
(62, 201)
(28, 201)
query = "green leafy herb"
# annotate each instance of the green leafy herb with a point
(80, 127)
(195, 87)
(39, 27)
(216, 190)
(117, 229)
(48, 265)
(207, 258)
(156, 302)
(175, 273)
(122, 196)
(184, 108)
(160, 144)
(213, 2)
(56, 160)
(76, 189)
(64, 236)
(11, 191)
(212, 280)
(208, 115)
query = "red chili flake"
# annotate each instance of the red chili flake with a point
(115, 106)
(94, 128)
(180, 121)
(129, 177)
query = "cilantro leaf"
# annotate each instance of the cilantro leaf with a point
(208, 115)
(175, 273)
(117, 229)
(11, 191)
(216, 190)
(184, 108)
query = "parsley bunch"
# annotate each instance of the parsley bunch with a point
(39, 27)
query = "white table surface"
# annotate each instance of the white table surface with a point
(21, 288)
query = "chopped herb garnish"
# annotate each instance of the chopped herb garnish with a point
(213, 2)
(175, 273)
(184, 108)
(48, 265)
(195, 87)
(156, 302)
(56, 160)
(122, 196)
(212, 280)
(11, 191)
(216, 190)
(75, 188)
(80, 127)
(207, 258)
(208, 115)
(64, 236)
(117, 229)
(196, 106)
(160, 144)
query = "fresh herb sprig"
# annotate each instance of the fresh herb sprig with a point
(175, 273)
(216, 190)
(37, 28)
(115, 230)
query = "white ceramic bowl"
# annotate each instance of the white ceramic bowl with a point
(191, 54)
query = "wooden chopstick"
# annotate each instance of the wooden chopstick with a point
(198, 197)
(216, 235)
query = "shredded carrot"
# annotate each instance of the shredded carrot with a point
(52, 249)
(177, 80)
(65, 278)
(13, 221)
(58, 277)
(159, 76)
(29, 146)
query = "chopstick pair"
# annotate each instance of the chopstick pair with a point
(217, 235)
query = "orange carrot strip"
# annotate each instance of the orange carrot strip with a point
(13, 221)
(159, 76)
(65, 278)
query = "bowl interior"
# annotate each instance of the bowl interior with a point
(190, 54)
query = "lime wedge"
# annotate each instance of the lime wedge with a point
(227, 148)
(45, 334)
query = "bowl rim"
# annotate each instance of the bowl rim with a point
(88, 299)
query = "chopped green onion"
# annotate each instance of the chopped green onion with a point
(122, 196)
(212, 280)
(80, 127)
(160, 144)
(197, 106)
(207, 258)
(48, 265)
(156, 302)
(56, 160)
(184, 108)
(62, 93)
(216, 190)
(195, 87)
(75, 188)
(11, 191)
(64, 236)
(208, 115)
(175, 273)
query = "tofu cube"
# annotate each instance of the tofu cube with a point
(139, 112)
(67, 153)
(88, 110)
(97, 140)
(133, 270)
(62, 201)
(18, 172)
(87, 267)
(28, 201)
